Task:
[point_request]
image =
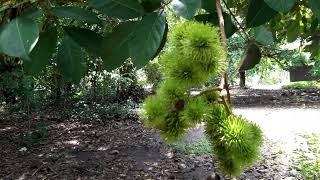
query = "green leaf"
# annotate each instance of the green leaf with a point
(293, 31)
(212, 18)
(259, 13)
(163, 41)
(151, 5)
(208, 5)
(139, 40)
(76, 13)
(70, 60)
(147, 39)
(315, 7)
(124, 9)
(314, 49)
(281, 5)
(33, 14)
(115, 49)
(89, 40)
(186, 8)
(18, 37)
(263, 35)
(42, 52)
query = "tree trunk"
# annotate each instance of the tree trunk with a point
(242, 79)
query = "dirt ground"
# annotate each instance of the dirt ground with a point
(124, 149)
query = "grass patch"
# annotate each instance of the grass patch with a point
(302, 85)
(200, 147)
(306, 158)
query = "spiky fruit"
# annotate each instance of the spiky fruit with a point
(196, 110)
(195, 56)
(235, 141)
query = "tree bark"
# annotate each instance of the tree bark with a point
(242, 79)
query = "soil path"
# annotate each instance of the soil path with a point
(124, 149)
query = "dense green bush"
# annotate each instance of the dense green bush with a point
(104, 111)
(153, 74)
(302, 85)
(17, 90)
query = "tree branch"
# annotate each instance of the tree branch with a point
(210, 89)
(224, 78)
(10, 6)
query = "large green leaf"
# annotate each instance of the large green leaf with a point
(163, 41)
(212, 18)
(139, 40)
(147, 39)
(259, 13)
(70, 60)
(208, 5)
(186, 8)
(42, 53)
(151, 5)
(263, 35)
(281, 5)
(124, 9)
(33, 14)
(86, 38)
(76, 13)
(18, 37)
(115, 49)
(315, 7)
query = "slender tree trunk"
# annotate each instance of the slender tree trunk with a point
(242, 79)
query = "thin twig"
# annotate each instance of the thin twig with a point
(34, 173)
(226, 106)
(164, 5)
(210, 89)
(235, 19)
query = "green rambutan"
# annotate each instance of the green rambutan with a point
(155, 110)
(186, 73)
(236, 142)
(172, 90)
(200, 45)
(196, 110)
(175, 127)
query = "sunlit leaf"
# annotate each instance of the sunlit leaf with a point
(186, 8)
(18, 37)
(263, 35)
